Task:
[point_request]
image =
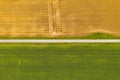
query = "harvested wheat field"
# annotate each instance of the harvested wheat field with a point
(33, 18)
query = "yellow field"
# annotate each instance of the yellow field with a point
(54, 17)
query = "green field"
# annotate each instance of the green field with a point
(60, 61)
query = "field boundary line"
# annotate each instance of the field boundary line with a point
(61, 41)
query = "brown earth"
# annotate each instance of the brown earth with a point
(77, 17)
